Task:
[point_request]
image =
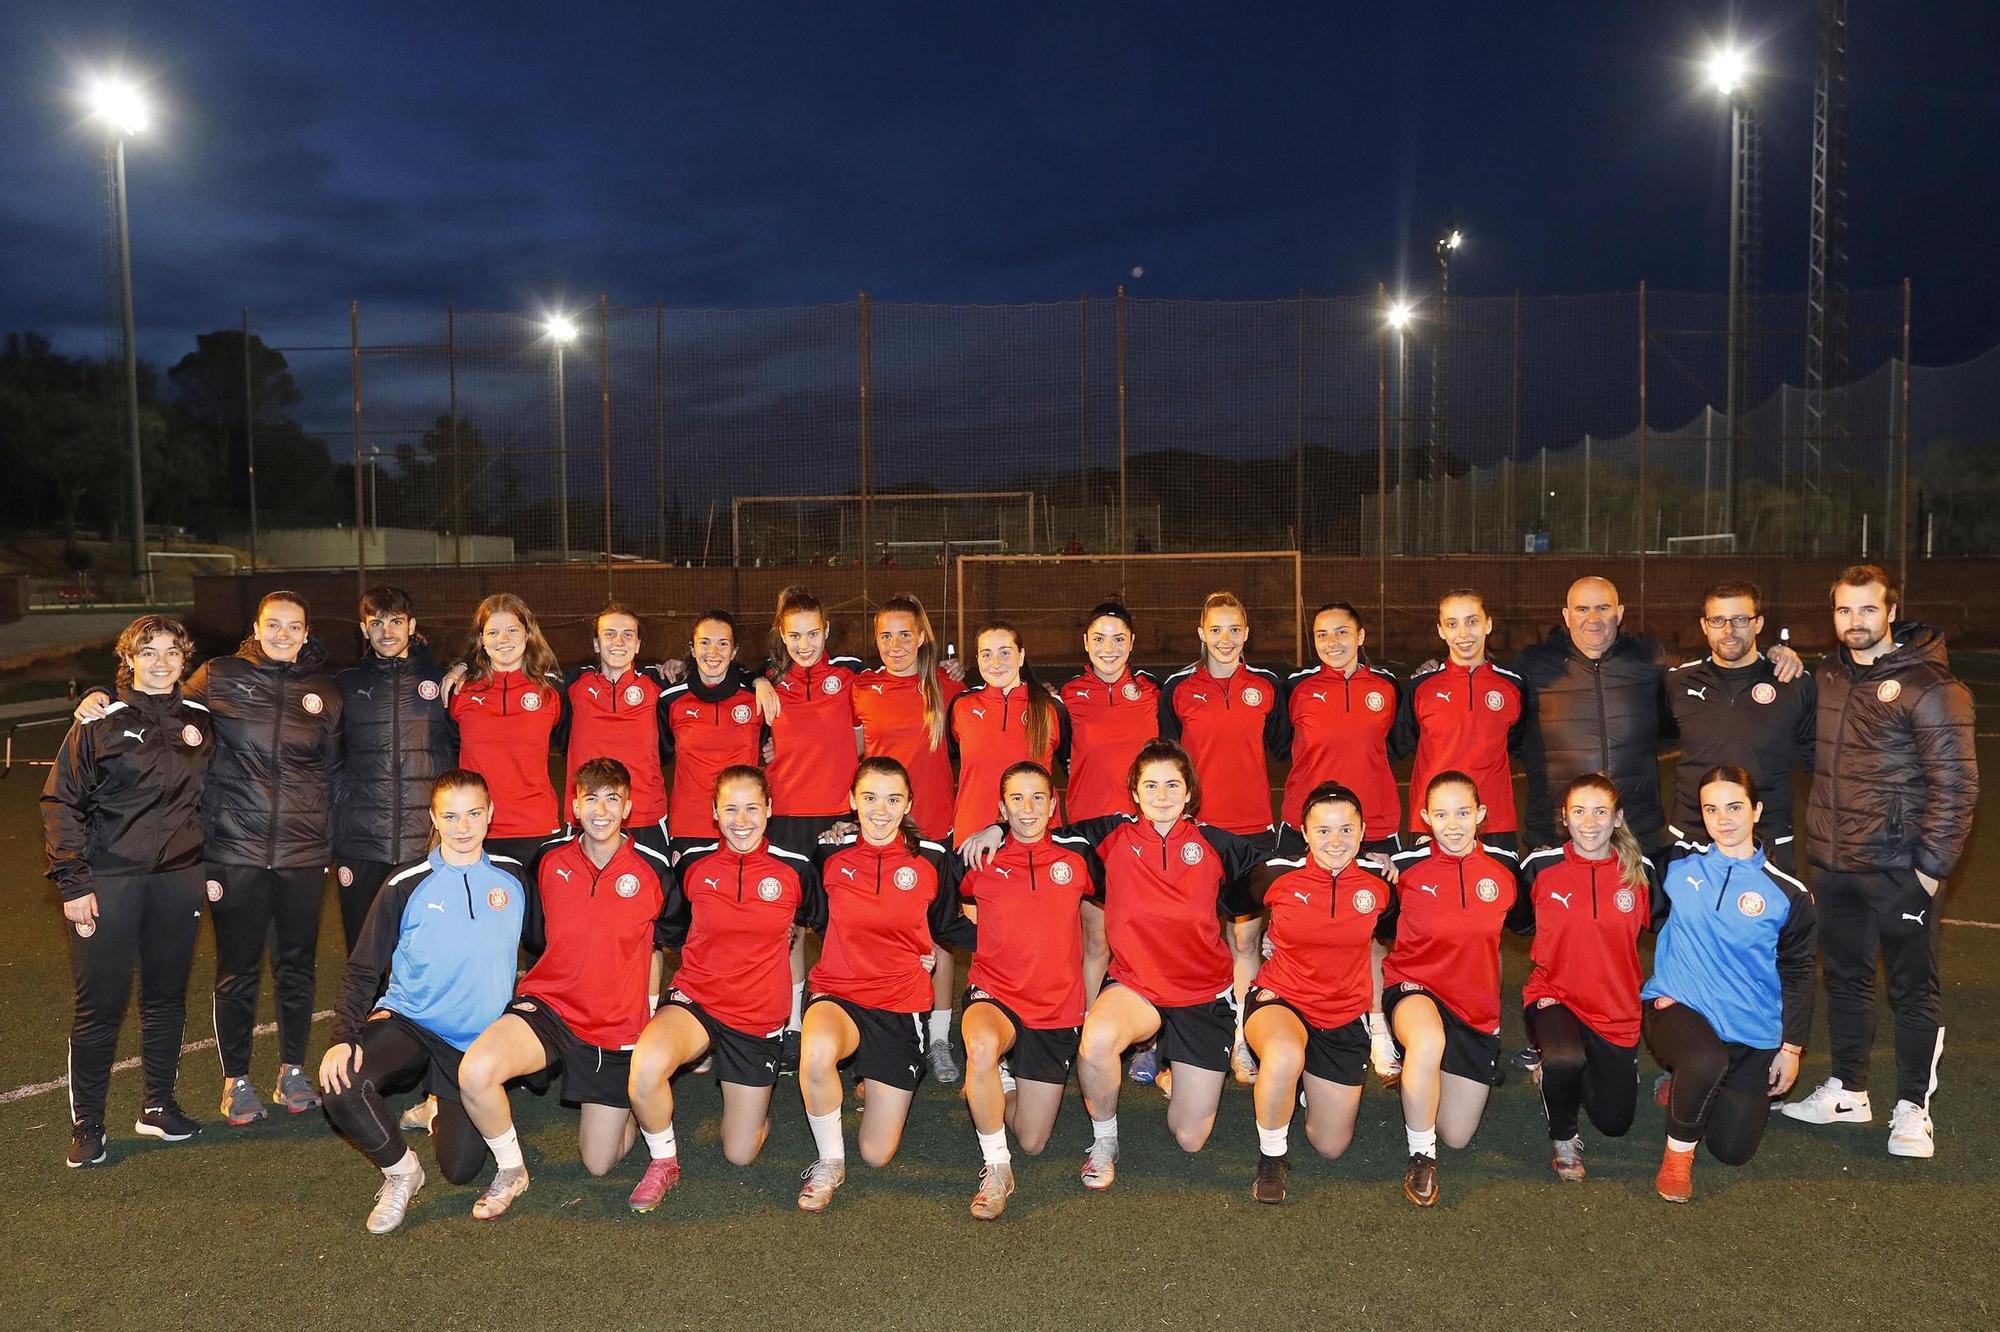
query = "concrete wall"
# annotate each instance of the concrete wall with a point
(333, 547)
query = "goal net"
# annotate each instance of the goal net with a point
(766, 530)
(1047, 597)
(170, 574)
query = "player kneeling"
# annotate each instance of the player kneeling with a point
(581, 1007)
(731, 913)
(433, 965)
(1305, 1017)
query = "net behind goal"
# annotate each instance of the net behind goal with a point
(893, 529)
(170, 574)
(1047, 596)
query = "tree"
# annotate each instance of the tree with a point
(208, 385)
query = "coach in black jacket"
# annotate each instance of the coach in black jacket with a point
(1895, 782)
(1731, 707)
(396, 736)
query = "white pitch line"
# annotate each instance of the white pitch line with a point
(37, 1088)
(1975, 924)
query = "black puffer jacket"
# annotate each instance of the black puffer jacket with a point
(396, 736)
(1606, 716)
(277, 757)
(1895, 776)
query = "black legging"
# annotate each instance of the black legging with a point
(1581, 1071)
(1721, 1089)
(394, 1059)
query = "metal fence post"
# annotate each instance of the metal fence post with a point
(660, 412)
(1299, 506)
(1124, 532)
(456, 509)
(1083, 414)
(604, 340)
(867, 375)
(1382, 464)
(1639, 509)
(249, 438)
(1903, 500)
(360, 532)
(1509, 529)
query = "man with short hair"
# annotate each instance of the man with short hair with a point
(1895, 782)
(1732, 708)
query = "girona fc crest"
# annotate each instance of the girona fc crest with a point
(769, 889)
(1060, 872)
(1486, 890)
(1375, 701)
(313, 703)
(905, 878)
(830, 685)
(1131, 689)
(497, 899)
(634, 696)
(627, 885)
(1765, 692)
(1364, 901)
(740, 713)
(1751, 904)
(427, 689)
(532, 701)
(1625, 899)
(1495, 700)
(1253, 696)
(1191, 853)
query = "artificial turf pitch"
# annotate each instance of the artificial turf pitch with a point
(263, 1225)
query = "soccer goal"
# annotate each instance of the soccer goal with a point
(170, 574)
(1047, 596)
(893, 528)
(1703, 543)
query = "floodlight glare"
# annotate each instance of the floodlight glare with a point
(118, 104)
(1727, 70)
(562, 329)
(1399, 314)
(1454, 240)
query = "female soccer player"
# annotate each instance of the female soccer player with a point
(1165, 878)
(509, 709)
(1006, 718)
(1585, 903)
(901, 708)
(815, 745)
(612, 709)
(713, 722)
(1024, 998)
(1730, 1001)
(121, 820)
(1113, 710)
(1231, 717)
(731, 912)
(887, 905)
(1441, 979)
(433, 967)
(595, 922)
(1341, 711)
(1304, 1019)
(276, 718)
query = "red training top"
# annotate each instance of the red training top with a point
(1030, 953)
(707, 729)
(1340, 733)
(1161, 896)
(617, 719)
(1468, 720)
(506, 727)
(731, 915)
(1321, 927)
(882, 908)
(1448, 914)
(812, 770)
(989, 734)
(1228, 727)
(1109, 725)
(889, 709)
(597, 929)
(1586, 923)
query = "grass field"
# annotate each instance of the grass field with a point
(264, 1225)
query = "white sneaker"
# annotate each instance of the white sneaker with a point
(392, 1201)
(1382, 1056)
(1243, 1064)
(417, 1119)
(1831, 1103)
(1910, 1131)
(1100, 1164)
(1007, 1085)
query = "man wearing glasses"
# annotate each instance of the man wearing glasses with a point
(1732, 707)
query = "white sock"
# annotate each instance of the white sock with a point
(660, 1144)
(506, 1150)
(1676, 1145)
(407, 1166)
(1422, 1141)
(1104, 1130)
(826, 1136)
(1378, 1026)
(1274, 1142)
(652, 1004)
(940, 1025)
(798, 1018)
(993, 1148)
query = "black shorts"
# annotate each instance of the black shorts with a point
(1292, 844)
(1040, 1054)
(440, 1076)
(1468, 1051)
(799, 833)
(591, 1074)
(1336, 1054)
(652, 836)
(1200, 1035)
(892, 1044)
(746, 1060)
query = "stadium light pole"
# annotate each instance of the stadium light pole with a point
(1728, 73)
(117, 105)
(1398, 317)
(1447, 246)
(562, 332)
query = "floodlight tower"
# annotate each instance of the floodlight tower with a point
(1729, 72)
(1826, 259)
(118, 107)
(1447, 248)
(562, 331)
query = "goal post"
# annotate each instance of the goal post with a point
(925, 527)
(1046, 596)
(170, 574)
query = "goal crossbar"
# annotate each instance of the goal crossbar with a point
(737, 505)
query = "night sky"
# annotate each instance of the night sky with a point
(509, 156)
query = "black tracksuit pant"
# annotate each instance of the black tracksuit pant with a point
(357, 882)
(1886, 912)
(1582, 1073)
(149, 922)
(395, 1057)
(256, 904)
